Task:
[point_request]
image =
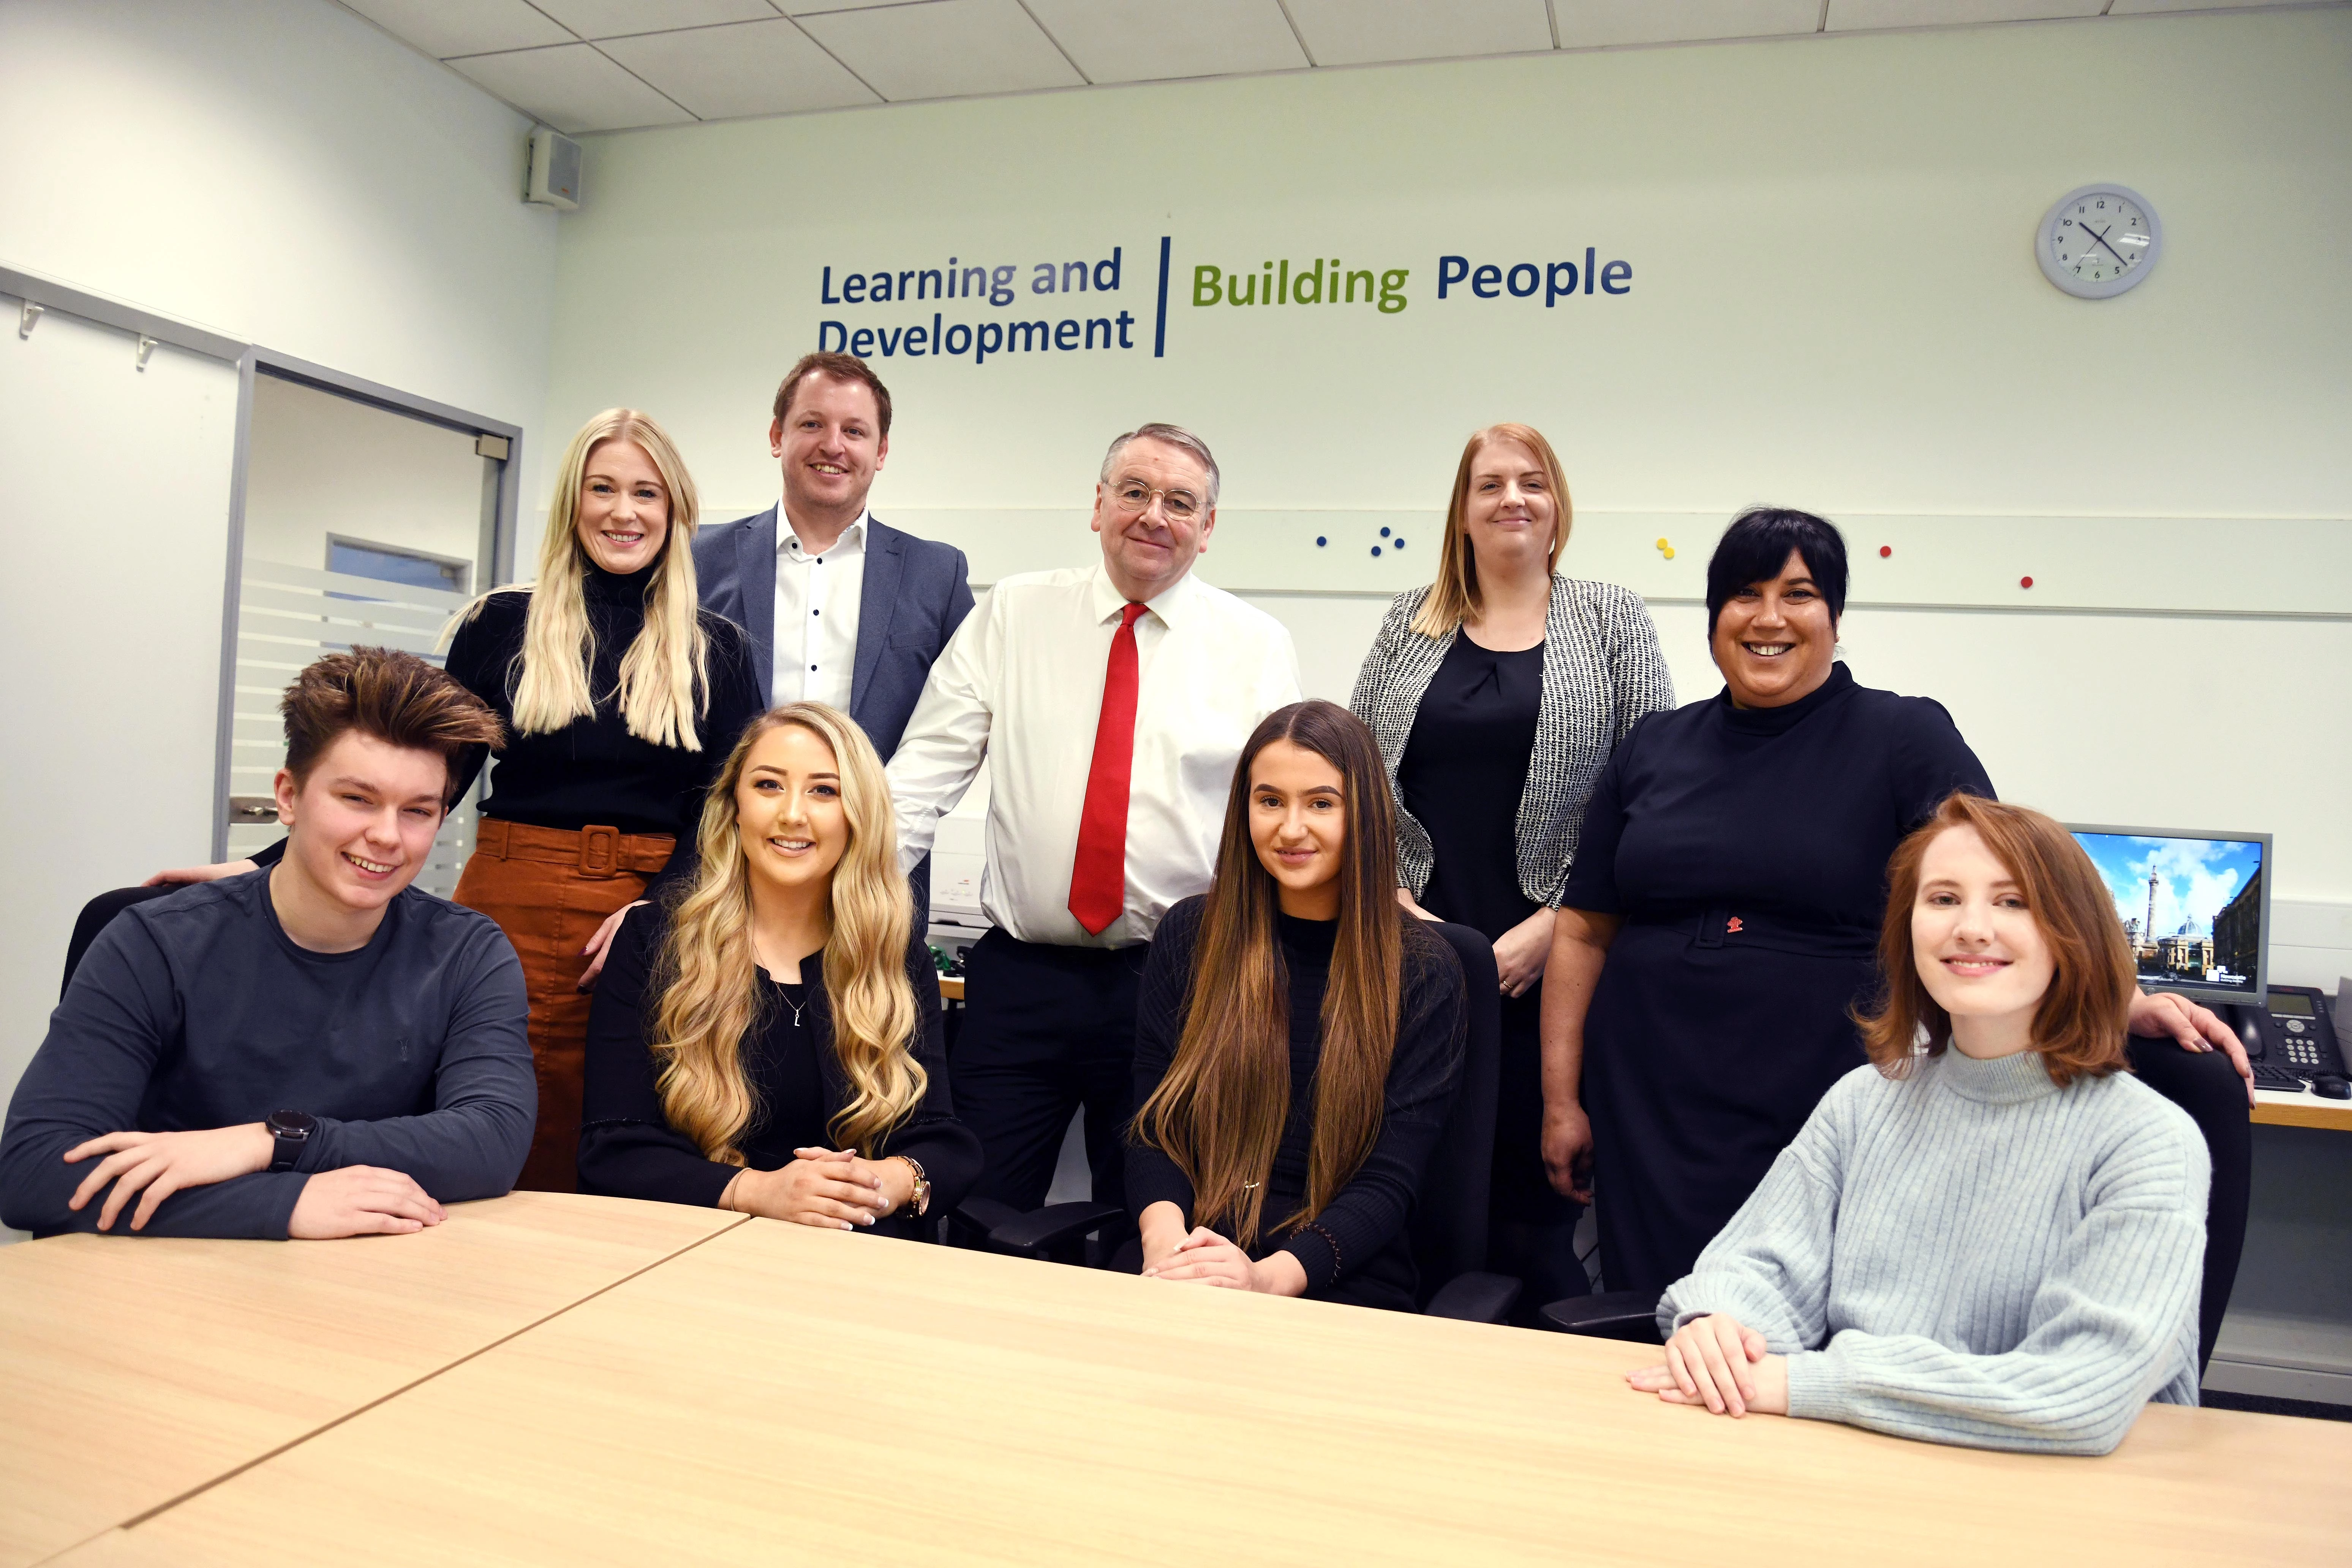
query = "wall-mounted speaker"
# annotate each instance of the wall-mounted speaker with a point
(554, 171)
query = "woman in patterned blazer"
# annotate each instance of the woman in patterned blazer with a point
(1497, 694)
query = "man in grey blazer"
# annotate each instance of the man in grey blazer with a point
(841, 607)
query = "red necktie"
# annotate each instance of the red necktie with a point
(1098, 879)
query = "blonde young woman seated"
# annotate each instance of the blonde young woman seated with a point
(1298, 1036)
(770, 1042)
(1995, 1239)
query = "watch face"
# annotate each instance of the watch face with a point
(2099, 241)
(292, 1123)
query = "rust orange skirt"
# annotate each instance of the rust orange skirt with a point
(549, 889)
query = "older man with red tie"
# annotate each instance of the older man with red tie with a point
(1110, 702)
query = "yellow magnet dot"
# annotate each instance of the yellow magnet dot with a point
(1670, 552)
(1662, 544)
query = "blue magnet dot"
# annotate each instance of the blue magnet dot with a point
(1321, 542)
(1384, 533)
(1376, 550)
(1399, 544)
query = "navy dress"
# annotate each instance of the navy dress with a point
(1745, 852)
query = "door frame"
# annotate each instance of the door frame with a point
(497, 544)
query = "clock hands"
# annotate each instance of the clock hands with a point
(2102, 238)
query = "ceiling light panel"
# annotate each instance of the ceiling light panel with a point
(943, 48)
(1850, 16)
(1363, 32)
(1598, 24)
(573, 88)
(1156, 40)
(752, 67)
(445, 27)
(620, 19)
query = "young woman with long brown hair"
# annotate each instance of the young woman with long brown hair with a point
(767, 1039)
(1299, 1037)
(1993, 1234)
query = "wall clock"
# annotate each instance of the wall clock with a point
(2099, 241)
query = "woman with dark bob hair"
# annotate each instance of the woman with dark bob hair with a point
(1992, 1235)
(1299, 1037)
(1719, 925)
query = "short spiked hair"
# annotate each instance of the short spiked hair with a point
(398, 699)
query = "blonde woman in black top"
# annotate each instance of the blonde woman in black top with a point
(622, 696)
(1497, 694)
(767, 1039)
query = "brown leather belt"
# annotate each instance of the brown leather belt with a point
(596, 851)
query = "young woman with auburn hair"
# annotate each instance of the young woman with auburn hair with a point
(1992, 1235)
(722, 1070)
(1298, 1036)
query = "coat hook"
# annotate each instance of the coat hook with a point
(24, 323)
(146, 347)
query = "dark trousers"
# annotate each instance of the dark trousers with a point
(1045, 1030)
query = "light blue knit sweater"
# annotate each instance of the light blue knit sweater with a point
(1973, 1255)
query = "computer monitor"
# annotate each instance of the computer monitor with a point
(2195, 907)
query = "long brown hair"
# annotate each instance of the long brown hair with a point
(1218, 1111)
(711, 995)
(1454, 598)
(2079, 1027)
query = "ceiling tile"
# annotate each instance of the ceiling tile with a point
(573, 88)
(1594, 23)
(943, 48)
(1151, 40)
(752, 67)
(1849, 15)
(818, 8)
(2149, 7)
(1360, 32)
(623, 18)
(445, 27)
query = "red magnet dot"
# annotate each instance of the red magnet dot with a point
(2025, 582)
(1885, 550)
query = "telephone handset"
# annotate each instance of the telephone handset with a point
(2290, 1038)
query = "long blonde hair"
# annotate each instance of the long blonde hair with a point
(665, 675)
(711, 995)
(1454, 598)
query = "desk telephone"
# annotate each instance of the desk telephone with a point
(2291, 1040)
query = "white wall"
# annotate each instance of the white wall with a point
(1833, 304)
(282, 173)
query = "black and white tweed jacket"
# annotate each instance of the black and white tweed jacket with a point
(1603, 673)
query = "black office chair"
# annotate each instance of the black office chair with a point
(95, 916)
(2205, 1084)
(1448, 1228)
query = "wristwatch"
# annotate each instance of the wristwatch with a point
(920, 1199)
(288, 1131)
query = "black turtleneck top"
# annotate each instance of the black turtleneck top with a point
(593, 771)
(1358, 1249)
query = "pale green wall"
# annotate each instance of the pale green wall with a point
(1835, 304)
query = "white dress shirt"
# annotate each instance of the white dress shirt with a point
(1020, 685)
(816, 614)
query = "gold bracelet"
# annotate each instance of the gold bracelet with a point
(919, 1200)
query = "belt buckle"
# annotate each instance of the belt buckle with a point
(599, 851)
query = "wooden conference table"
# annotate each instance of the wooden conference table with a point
(547, 1380)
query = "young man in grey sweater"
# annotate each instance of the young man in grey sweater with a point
(314, 1049)
(1996, 1242)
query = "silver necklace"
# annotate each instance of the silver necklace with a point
(763, 962)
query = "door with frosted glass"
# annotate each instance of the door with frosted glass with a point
(363, 526)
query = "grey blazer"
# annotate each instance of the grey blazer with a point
(916, 594)
(1602, 674)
